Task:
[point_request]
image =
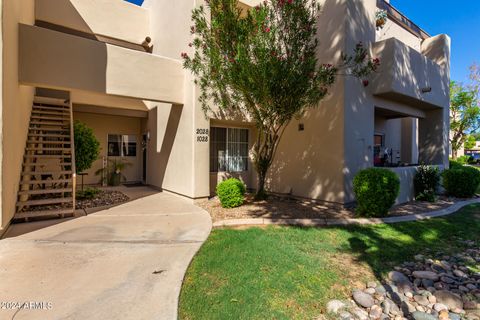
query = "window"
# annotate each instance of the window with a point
(378, 144)
(122, 145)
(228, 149)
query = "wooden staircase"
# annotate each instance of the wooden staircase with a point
(47, 183)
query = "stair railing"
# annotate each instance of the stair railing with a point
(72, 146)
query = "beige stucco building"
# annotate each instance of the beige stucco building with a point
(92, 59)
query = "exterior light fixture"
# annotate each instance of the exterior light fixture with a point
(427, 89)
(301, 127)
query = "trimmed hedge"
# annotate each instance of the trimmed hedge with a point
(426, 182)
(231, 193)
(376, 190)
(461, 181)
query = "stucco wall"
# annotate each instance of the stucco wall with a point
(310, 163)
(112, 18)
(103, 125)
(59, 60)
(187, 169)
(17, 104)
(393, 30)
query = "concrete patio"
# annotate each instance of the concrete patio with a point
(126, 262)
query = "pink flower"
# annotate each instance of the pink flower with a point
(267, 29)
(184, 55)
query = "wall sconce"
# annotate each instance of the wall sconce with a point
(301, 127)
(427, 90)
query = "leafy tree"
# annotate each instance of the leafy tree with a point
(262, 63)
(464, 115)
(87, 147)
(470, 142)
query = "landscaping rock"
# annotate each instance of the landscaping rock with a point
(375, 312)
(417, 315)
(426, 275)
(363, 299)
(439, 287)
(334, 306)
(439, 307)
(451, 300)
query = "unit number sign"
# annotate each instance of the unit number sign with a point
(202, 135)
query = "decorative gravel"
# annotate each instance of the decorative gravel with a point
(288, 208)
(103, 198)
(429, 288)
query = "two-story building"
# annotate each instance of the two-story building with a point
(116, 67)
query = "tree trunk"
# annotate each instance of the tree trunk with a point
(264, 152)
(262, 176)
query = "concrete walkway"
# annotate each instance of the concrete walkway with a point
(127, 262)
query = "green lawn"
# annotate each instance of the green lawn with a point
(290, 273)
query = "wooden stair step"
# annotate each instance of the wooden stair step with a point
(45, 191)
(47, 181)
(50, 108)
(33, 164)
(49, 129)
(51, 117)
(45, 213)
(44, 201)
(47, 142)
(48, 149)
(33, 173)
(49, 135)
(60, 112)
(49, 123)
(50, 101)
(47, 156)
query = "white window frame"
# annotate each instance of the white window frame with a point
(226, 148)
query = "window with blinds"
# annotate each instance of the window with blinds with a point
(228, 149)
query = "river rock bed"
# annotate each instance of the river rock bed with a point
(440, 287)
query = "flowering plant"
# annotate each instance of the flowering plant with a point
(263, 63)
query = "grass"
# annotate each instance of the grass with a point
(290, 273)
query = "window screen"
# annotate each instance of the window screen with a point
(228, 149)
(122, 145)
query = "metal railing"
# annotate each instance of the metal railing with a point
(72, 146)
(399, 18)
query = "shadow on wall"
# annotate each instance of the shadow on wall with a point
(158, 155)
(311, 163)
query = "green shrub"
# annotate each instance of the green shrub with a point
(231, 193)
(87, 194)
(376, 190)
(463, 159)
(455, 164)
(461, 182)
(426, 183)
(87, 147)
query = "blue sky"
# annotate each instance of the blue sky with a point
(460, 19)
